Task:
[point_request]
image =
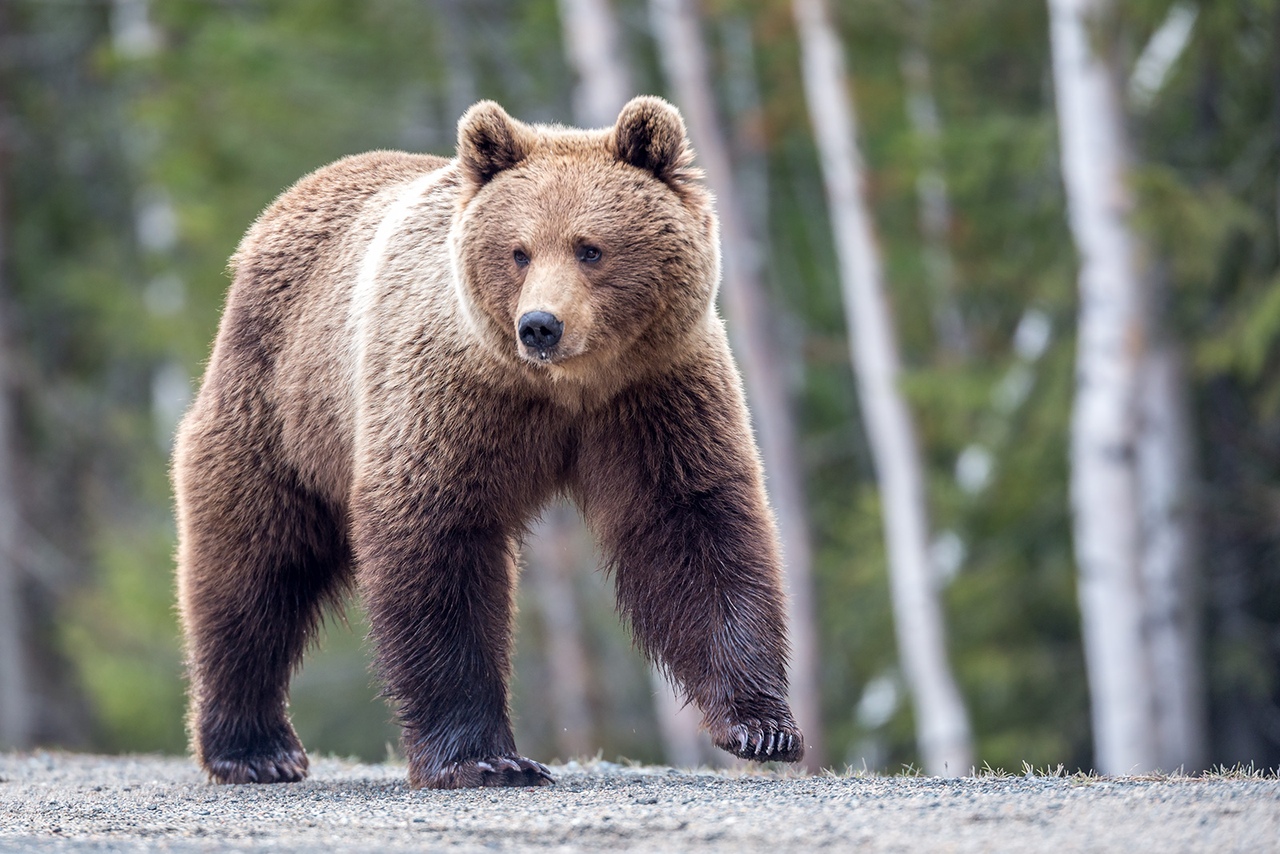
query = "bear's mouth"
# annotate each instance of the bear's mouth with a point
(542, 355)
(546, 358)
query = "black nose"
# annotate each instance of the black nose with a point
(540, 330)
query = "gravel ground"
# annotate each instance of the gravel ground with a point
(95, 803)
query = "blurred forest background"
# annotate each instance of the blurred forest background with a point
(139, 138)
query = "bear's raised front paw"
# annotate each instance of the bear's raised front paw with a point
(490, 771)
(284, 765)
(760, 740)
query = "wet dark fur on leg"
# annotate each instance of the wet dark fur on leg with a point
(438, 575)
(692, 546)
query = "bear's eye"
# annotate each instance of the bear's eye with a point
(588, 254)
(521, 259)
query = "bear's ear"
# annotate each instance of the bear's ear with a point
(650, 135)
(490, 141)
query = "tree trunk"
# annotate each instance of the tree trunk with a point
(16, 700)
(604, 86)
(555, 552)
(942, 724)
(594, 50)
(752, 325)
(749, 145)
(931, 188)
(684, 743)
(1105, 441)
(461, 87)
(1166, 474)
(1170, 556)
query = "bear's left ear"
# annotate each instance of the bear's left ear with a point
(490, 141)
(650, 135)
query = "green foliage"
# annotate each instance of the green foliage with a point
(121, 630)
(241, 99)
(335, 701)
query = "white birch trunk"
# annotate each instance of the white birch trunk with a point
(1169, 560)
(942, 724)
(677, 27)
(1111, 340)
(1166, 472)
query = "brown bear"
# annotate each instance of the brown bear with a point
(416, 355)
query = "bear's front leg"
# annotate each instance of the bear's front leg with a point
(438, 583)
(669, 480)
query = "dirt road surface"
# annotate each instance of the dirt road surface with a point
(54, 801)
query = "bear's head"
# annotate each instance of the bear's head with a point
(584, 251)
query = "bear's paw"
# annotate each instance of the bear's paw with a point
(283, 765)
(490, 771)
(760, 740)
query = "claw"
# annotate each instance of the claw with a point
(742, 741)
(485, 766)
(772, 737)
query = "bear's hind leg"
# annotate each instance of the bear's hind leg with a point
(259, 559)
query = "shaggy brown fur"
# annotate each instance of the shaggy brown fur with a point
(370, 416)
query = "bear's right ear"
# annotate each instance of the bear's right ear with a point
(490, 141)
(650, 135)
